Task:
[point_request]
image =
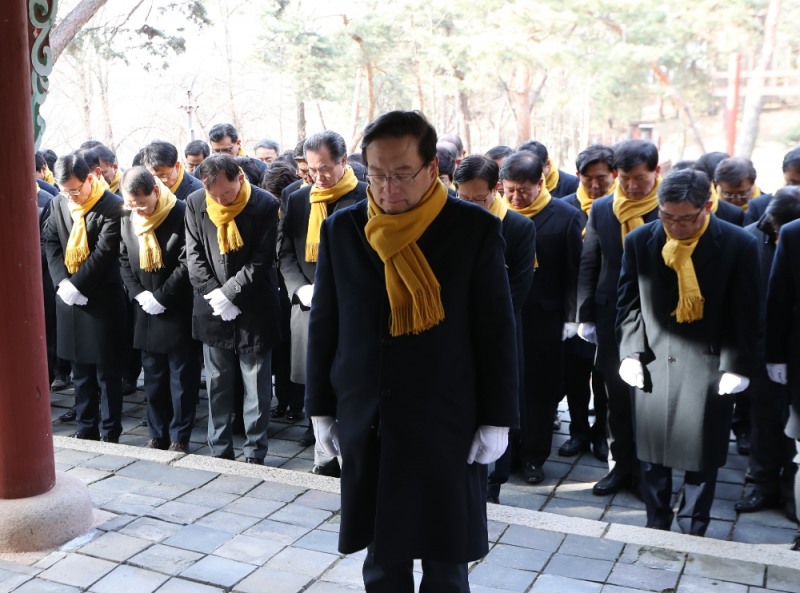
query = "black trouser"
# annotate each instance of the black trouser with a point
(742, 414)
(98, 385)
(437, 577)
(171, 383)
(620, 422)
(131, 359)
(505, 464)
(579, 374)
(694, 513)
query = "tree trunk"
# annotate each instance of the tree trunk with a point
(301, 120)
(370, 91)
(69, 26)
(680, 102)
(355, 111)
(754, 100)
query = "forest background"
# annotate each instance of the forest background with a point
(565, 72)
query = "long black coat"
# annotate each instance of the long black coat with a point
(681, 421)
(567, 184)
(598, 276)
(189, 184)
(756, 208)
(296, 270)
(408, 406)
(783, 320)
(247, 277)
(172, 329)
(730, 213)
(89, 334)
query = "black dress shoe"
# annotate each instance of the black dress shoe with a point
(789, 509)
(307, 438)
(743, 443)
(533, 473)
(493, 499)
(611, 483)
(68, 416)
(556, 422)
(60, 382)
(109, 439)
(573, 446)
(128, 387)
(254, 461)
(87, 436)
(295, 415)
(161, 444)
(330, 469)
(756, 501)
(796, 545)
(278, 411)
(600, 449)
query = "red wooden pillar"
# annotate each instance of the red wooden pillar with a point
(27, 467)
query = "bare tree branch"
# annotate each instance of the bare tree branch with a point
(66, 30)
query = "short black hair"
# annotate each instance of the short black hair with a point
(360, 171)
(138, 181)
(197, 148)
(596, 153)
(279, 176)
(354, 158)
(456, 141)
(86, 145)
(105, 154)
(523, 165)
(217, 164)
(38, 161)
(784, 207)
(51, 157)
(160, 154)
(253, 172)
(629, 154)
(220, 131)
(685, 185)
(287, 156)
(447, 162)
(684, 164)
(536, 148)
(499, 152)
(298, 151)
(137, 158)
(397, 124)
(90, 157)
(331, 140)
(708, 162)
(477, 166)
(734, 171)
(71, 165)
(267, 143)
(791, 160)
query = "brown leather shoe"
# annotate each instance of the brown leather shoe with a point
(179, 447)
(157, 444)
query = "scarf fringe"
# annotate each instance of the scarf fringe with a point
(312, 252)
(150, 260)
(423, 312)
(689, 309)
(75, 256)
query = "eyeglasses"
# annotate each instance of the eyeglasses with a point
(224, 149)
(72, 192)
(742, 195)
(679, 220)
(481, 201)
(399, 179)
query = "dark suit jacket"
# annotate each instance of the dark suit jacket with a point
(188, 184)
(408, 406)
(730, 213)
(567, 184)
(572, 200)
(598, 277)
(756, 208)
(247, 277)
(296, 270)
(48, 187)
(681, 420)
(91, 333)
(172, 329)
(519, 234)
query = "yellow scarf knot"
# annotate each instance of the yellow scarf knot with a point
(677, 254)
(630, 213)
(499, 207)
(77, 250)
(320, 198)
(174, 187)
(150, 257)
(551, 179)
(228, 236)
(414, 292)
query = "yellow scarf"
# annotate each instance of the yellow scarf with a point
(630, 213)
(499, 207)
(551, 180)
(77, 250)
(586, 200)
(414, 292)
(228, 236)
(532, 209)
(150, 258)
(114, 185)
(755, 194)
(174, 187)
(48, 175)
(320, 198)
(714, 199)
(677, 254)
(241, 151)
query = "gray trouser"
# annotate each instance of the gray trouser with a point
(256, 369)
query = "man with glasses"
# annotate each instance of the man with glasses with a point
(412, 370)
(611, 218)
(548, 314)
(224, 139)
(161, 159)
(735, 180)
(334, 187)
(687, 289)
(81, 239)
(477, 178)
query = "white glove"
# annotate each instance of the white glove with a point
(305, 294)
(632, 372)
(569, 330)
(69, 294)
(777, 372)
(488, 444)
(149, 303)
(228, 311)
(326, 431)
(216, 299)
(588, 332)
(731, 383)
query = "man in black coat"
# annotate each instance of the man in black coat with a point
(412, 363)
(783, 334)
(559, 183)
(549, 310)
(231, 233)
(335, 187)
(687, 342)
(81, 240)
(632, 204)
(153, 269)
(161, 159)
(476, 179)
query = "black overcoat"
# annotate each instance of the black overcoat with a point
(756, 208)
(567, 184)
(247, 276)
(408, 406)
(89, 334)
(188, 185)
(172, 329)
(681, 421)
